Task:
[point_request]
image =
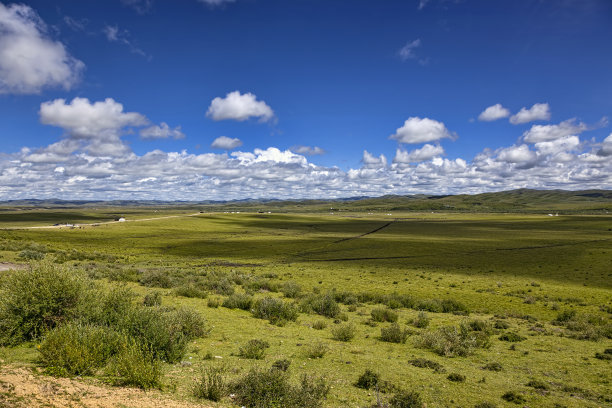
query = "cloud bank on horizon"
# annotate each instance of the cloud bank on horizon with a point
(95, 148)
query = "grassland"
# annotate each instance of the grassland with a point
(515, 273)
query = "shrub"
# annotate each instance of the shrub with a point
(453, 341)
(271, 388)
(512, 337)
(291, 289)
(421, 321)
(157, 279)
(191, 290)
(38, 299)
(406, 399)
(189, 323)
(135, 365)
(537, 384)
(369, 379)
(485, 405)
(77, 349)
(456, 377)
(424, 363)
(514, 397)
(380, 314)
(606, 355)
(254, 349)
(502, 325)
(343, 332)
(565, 316)
(282, 365)
(480, 326)
(214, 302)
(238, 301)
(31, 255)
(494, 366)
(275, 310)
(210, 385)
(324, 305)
(394, 334)
(152, 299)
(319, 325)
(317, 350)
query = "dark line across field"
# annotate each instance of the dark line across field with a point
(363, 235)
(457, 253)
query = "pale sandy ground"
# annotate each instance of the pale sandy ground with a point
(21, 387)
(7, 266)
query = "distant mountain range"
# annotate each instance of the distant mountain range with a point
(515, 200)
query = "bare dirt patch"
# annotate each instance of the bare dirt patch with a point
(6, 266)
(21, 387)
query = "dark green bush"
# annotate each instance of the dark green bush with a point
(272, 388)
(368, 380)
(512, 337)
(254, 349)
(275, 310)
(191, 290)
(319, 325)
(456, 377)
(480, 326)
(324, 305)
(380, 314)
(485, 405)
(38, 299)
(394, 334)
(406, 399)
(316, 350)
(493, 366)
(421, 321)
(210, 384)
(344, 332)
(78, 349)
(31, 255)
(515, 397)
(537, 384)
(424, 363)
(565, 316)
(282, 365)
(502, 325)
(213, 302)
(238, 301)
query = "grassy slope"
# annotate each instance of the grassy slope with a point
(488, 262)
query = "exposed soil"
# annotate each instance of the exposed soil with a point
(6, 266)
(23, 388)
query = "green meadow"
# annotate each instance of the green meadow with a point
(464, 309)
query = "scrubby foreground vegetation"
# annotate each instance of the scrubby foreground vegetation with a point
(363, 310)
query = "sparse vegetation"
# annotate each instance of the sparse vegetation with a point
(343, 332)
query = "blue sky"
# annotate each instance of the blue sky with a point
(222, 99)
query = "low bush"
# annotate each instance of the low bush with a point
(214, 302)
(282, 365)
(485, 405)
(512, 337)
(254, 349)
(453, 341)
(424, 363)
(368, 380)
(515, 397)
(275, 310)
(606, 355)
(394, 334)
(324, 305)
(78, 349)
(239, 301)
(537, 384)
(135, 365)
(480, 326)
(456, 377)
(406, 399)
(501, 325)
(380, 314)
(191, 290)
(38, 299)
(210, 384)
(344, 332)
(421, 321)
(319, 325)
(152, 299)
(493, 366)
(272, 388)
(565, 316)
(31, 255)
(158, 279)
(316, 350)
(291, 289)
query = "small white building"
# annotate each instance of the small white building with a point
(121, 219)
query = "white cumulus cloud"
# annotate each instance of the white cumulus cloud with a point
(606, 147)
(237, 106)
(517, 154)
(544, 133)
(494, 112)
(226, 143)
(371, 161)
(308, 150)
(539, 111)
(163, 131)
(417, 130)
(30, 60)
(427, 152)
